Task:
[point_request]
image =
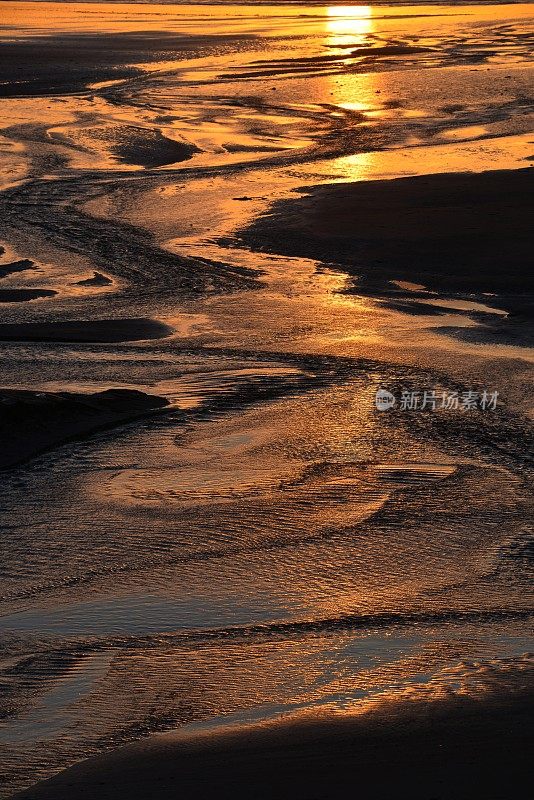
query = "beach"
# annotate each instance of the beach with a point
(266, 323)
(410, 748)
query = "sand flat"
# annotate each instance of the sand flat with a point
(459, 231)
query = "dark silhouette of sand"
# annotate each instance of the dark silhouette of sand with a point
(452, 232)
(15, 266)
(21, 295)
(459, 749)
(101, 330)
(97, 280)
(459, 235)
(70, 62)
(32, 422)
(150, 148)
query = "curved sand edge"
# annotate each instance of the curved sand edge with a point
(33, 422)
(90, 331)
(453, 747)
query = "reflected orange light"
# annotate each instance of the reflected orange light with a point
(345, 24)
(349, 27)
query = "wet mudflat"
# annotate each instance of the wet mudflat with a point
(191, 203)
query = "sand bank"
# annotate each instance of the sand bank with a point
(21, 265)
(31, 422)
(453, 747)
(23, 295)
(453, 232)
(71, 62)
(101, 330)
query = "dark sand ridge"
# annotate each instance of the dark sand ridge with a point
(150, 148)
(461, 235)
(13, 267)
(101, 330)
(97, 280)
(32, 422)
(452, 745)
(20, 295)
(451, 232)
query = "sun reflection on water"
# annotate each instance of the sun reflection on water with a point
(349, 27)
(346, 24)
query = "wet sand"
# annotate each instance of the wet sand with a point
(33, 422)
(271, 544)
(453, 232)
(21, 265)
(444, 748)
(101, 330)
(22, 295)
(73, 61)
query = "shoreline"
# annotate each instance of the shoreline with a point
(399, 748)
